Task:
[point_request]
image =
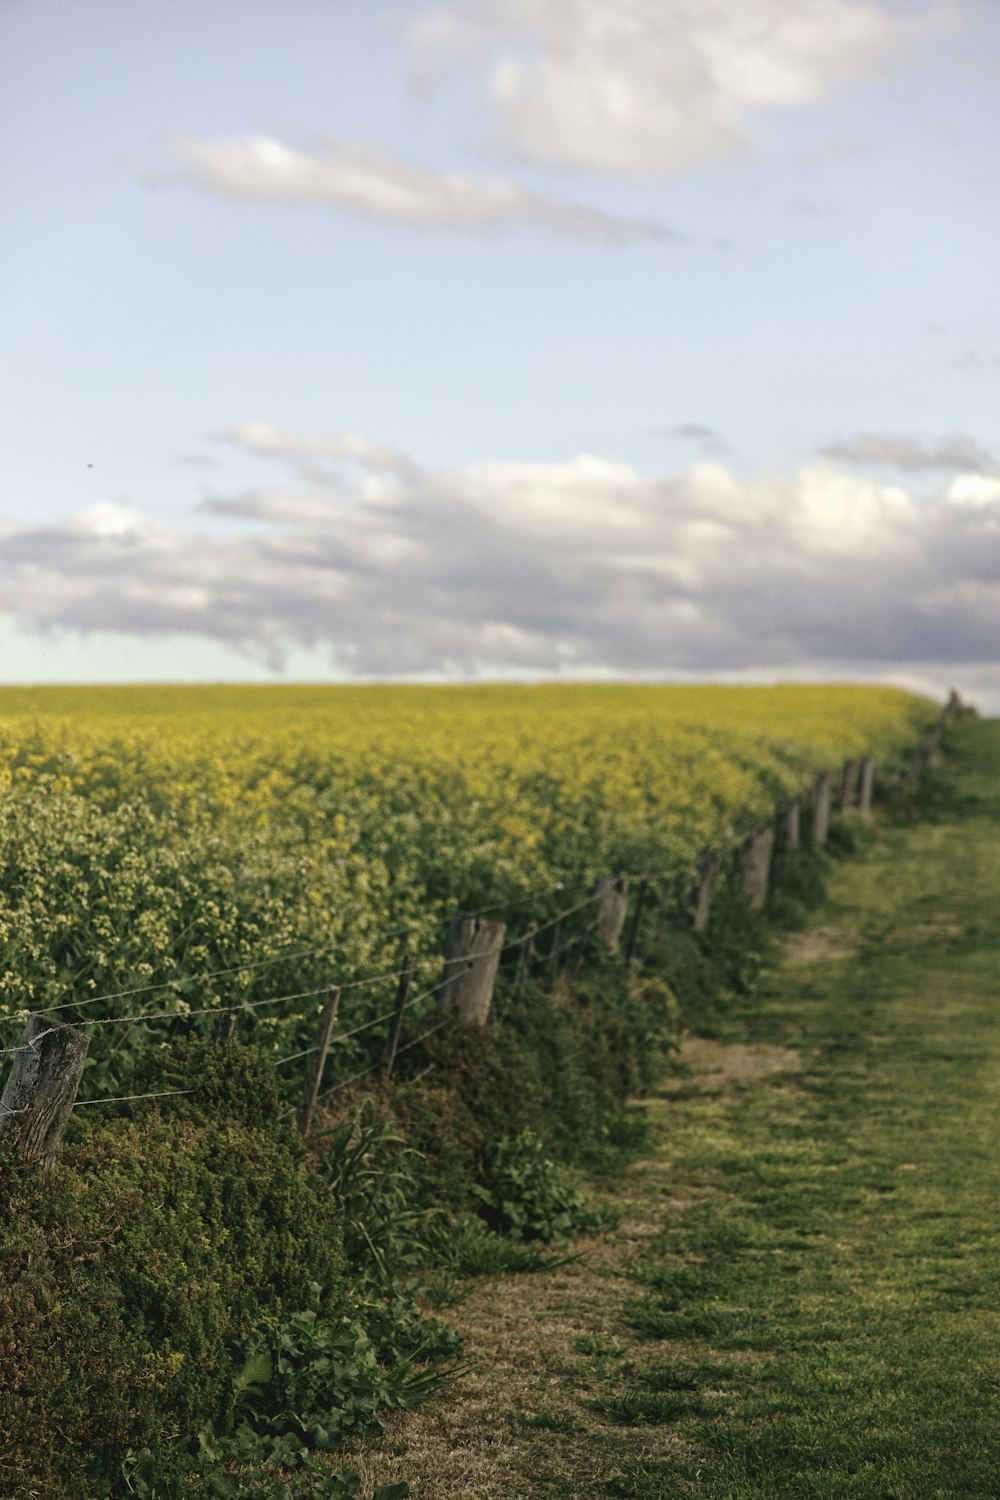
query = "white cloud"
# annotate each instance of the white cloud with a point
(976, 492)
(651, 85)
(376, 183)
(588, 565)
(107, 520)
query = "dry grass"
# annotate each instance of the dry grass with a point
(545, 1348)
(518, 1423)
(820, 945)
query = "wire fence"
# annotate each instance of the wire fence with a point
(608, 904)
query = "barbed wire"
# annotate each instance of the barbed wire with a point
(355, 1077)
(123, 1098)
(201, 978)
(149, 1017)
(204, 976)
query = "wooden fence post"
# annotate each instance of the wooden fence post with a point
(225, 1026)
(821, 809)
(472, 957)
(524, 956)
(392, 1040)
(41, 1087)
(317, 1060)
(633, 935)
(555, 949)
(791, 824)
(612, 909)
(757, 864)
(848, 782)
(866, 786)
(709, 867)
(666, 896)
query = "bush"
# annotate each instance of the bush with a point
(529, 1196)
(125, 1278)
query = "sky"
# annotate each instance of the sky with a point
(478, 339)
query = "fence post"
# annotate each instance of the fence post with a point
(612, 909)
(554, 950)
(848, 782)
(757, 864)
(821, 809)
(41, 1087)
(867, 785)
(524, 956)
(791, 824)
(472, 957)
(633, 936)
(225, 1026)
(709, 867)
(317, 1060)
(392, 1040)
(666, 896)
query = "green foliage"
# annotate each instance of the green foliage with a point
(126, 1276)
(561, 1063)
(465, 1246)
(373, 1176)
(529, 1195)
(224, 1081)
(302, 1385)
(307, 1383)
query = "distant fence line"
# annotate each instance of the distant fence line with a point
(48, 1061)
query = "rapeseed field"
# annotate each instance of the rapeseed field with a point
(168, 850)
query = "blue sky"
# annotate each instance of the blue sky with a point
(497, 338)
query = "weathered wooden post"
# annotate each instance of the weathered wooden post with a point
(472, 957)
(41, 1087)
(633, 934)
(612, 909)
(708, 867)
(392, 1040)
(791, 824)
(317, 1060)
(757, 864)
(666, 896)
(524, 956)
(821, 809)
(225, 1026)
(848, 782)
(866, 786)
(554, 951)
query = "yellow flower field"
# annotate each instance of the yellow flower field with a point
(150, 837)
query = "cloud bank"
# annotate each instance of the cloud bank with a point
(586, 566)
(376, 183)
(653, 85)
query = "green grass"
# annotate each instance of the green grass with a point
(800, 1296)
(844, 1241)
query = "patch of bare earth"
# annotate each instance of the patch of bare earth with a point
(818, 946)
(711, 1065)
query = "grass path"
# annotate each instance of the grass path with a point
(802, 1296)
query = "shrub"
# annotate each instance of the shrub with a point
(529, 1195)
(124, 1278)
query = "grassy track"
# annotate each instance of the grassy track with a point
(802, 1298)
